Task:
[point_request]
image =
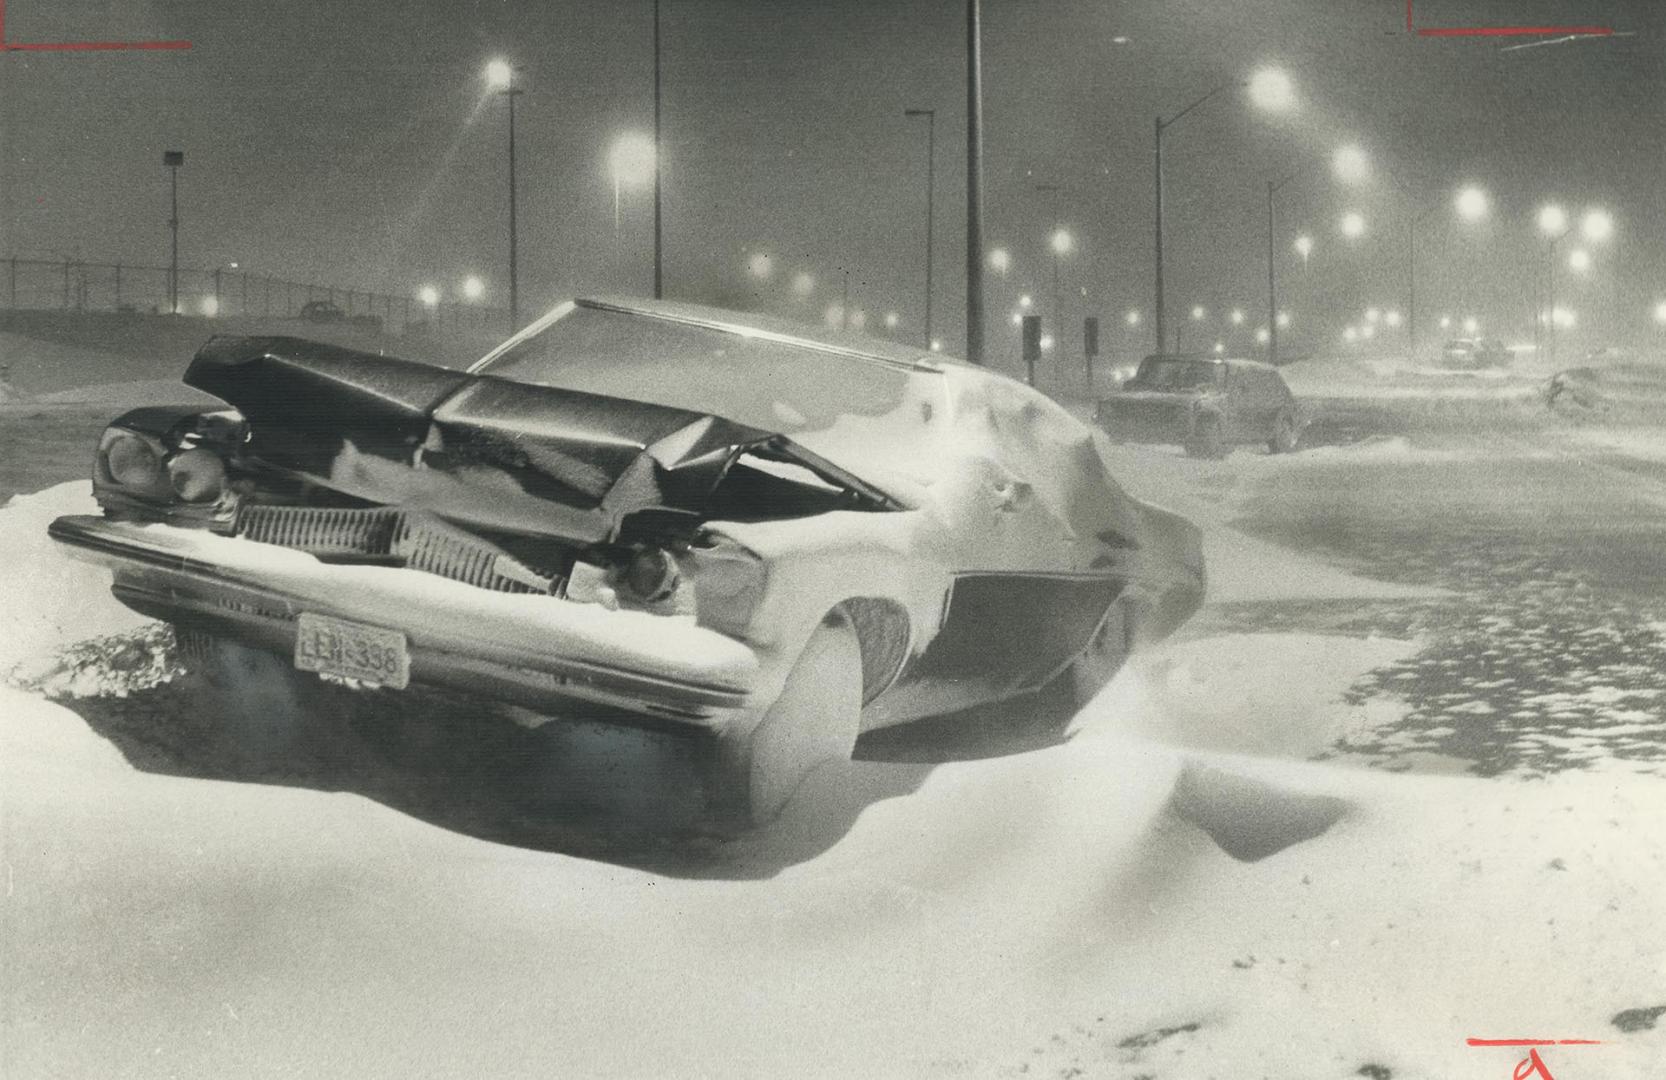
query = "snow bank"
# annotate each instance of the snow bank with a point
(51, 601)
(1058, 913)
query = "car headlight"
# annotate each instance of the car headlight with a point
(198, 475)
(132, 461)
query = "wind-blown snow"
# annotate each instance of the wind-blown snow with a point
(1042, 914)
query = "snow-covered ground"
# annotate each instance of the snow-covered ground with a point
(1177, 892)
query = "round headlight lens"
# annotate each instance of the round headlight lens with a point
(651, 575)
(132, 462)
(198, 475)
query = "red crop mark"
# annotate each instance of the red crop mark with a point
(1534, 1042)
(1500, 31)
(81, 46)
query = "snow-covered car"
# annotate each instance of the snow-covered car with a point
(1207, 404)
(762, 537)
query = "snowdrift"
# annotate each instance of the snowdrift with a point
(1172, 893)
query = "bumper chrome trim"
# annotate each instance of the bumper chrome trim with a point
(168, 580)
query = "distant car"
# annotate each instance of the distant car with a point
(1470, 354)
(755, 536)
(1207, 404)
(321, 311)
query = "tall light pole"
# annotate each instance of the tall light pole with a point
(1471, 204)
(173, 159)
(1270, 90)
(659, 260)
(974, 184)
(1272, 275)
(500, 75)
(1553, 222)
(931, 189)
(1053, 244)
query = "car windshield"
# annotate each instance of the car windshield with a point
(862, 413)
(773, 385)
(1158, 373)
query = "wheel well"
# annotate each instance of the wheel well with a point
(883, 630)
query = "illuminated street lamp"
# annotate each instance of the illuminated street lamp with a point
(1596, 226)
(1237, 317)
(1304, 247)
(1283, 320)
(1000, 261)
(803, 284)
(1132, 318)
(760, 265)
(1472, 325)
(429, 295)
(500, 79)
(1269, 90)
(1198, 313)
(891, 320)
(1472, 203)
(1660, 313)
(1579, 260)
(1350, 164)
(1024, 301)
(473, 288)
(1353, 225)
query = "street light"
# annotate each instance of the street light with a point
(931, 188)
(1000, 261)
(1660, 313)
(1198, 312)
(1237, 317)
(500, 78)
(1553, 223)
(1353, 225)
(1472, 203)
(473, 288)
(1596, 226)
(1350, 164)
(760, 265)
(1270, 90)
(1133, 317)
(429, 295)
(1579, 260)
(1304, 247)
(803, 284)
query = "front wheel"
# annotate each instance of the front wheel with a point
(814, 721)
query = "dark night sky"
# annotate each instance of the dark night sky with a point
(353, 144)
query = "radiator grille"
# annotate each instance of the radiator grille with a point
(418, 541)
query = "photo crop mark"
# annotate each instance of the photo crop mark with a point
(1501, 31)
(82, 46)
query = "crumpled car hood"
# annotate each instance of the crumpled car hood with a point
(492, 451)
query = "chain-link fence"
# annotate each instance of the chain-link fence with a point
(74, 285)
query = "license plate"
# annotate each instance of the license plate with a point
(352, 650)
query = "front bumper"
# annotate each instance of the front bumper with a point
(540, 651)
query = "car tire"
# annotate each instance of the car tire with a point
(814, 721)
(1206, 440)
(1285, 436)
